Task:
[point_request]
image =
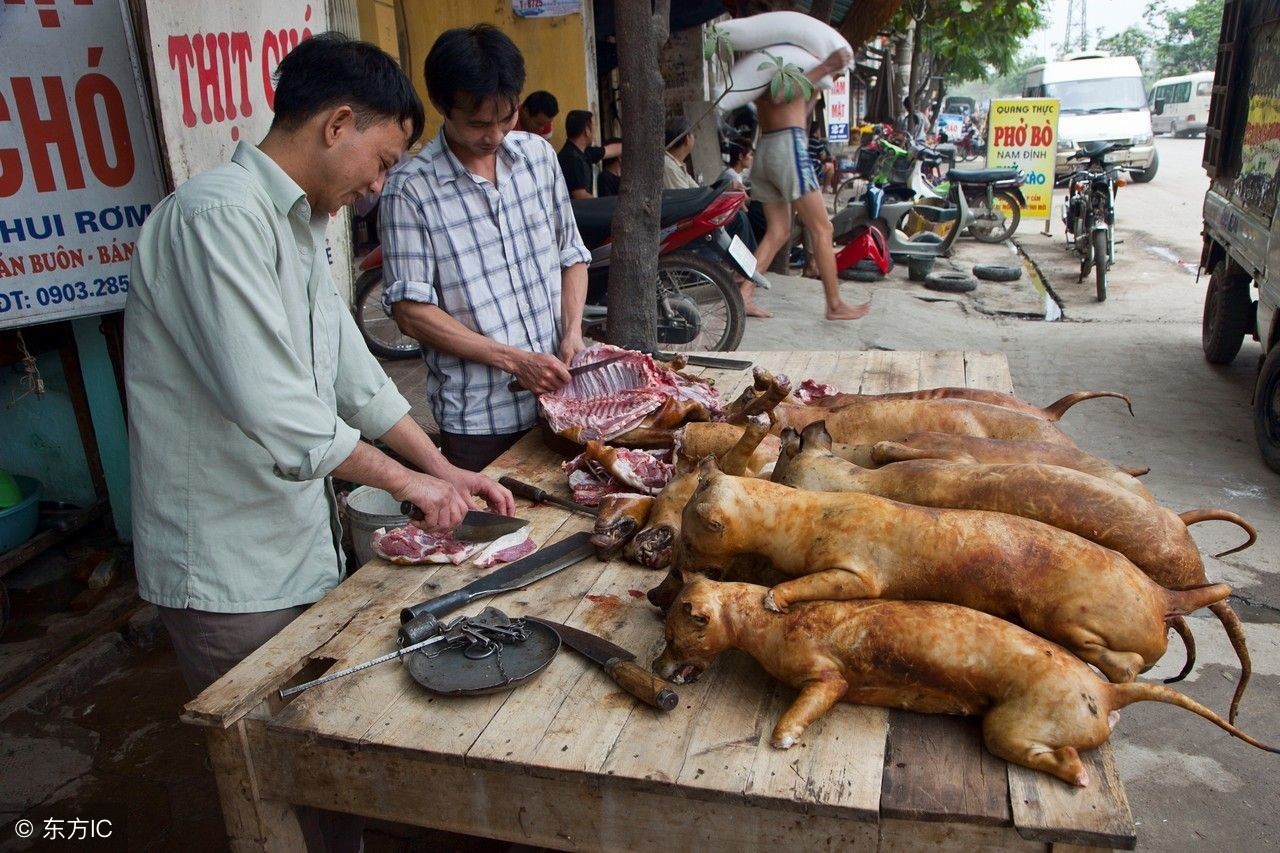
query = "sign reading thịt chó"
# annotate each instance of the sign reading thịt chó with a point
(1023, 132)
(78, 170)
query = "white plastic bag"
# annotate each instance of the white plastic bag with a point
(750, 82)
(772, 28)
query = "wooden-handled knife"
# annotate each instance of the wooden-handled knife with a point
(618, 662)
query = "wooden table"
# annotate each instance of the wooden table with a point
(569, 761)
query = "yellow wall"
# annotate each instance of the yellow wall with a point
(378, 24)
(555, 52)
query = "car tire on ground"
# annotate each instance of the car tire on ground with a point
(1228, 314)
(950, 282)
(997, 272)
(1266, 410)
(1145, 176)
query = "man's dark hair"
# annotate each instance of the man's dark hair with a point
(737, 151)
(542, 102)
(329, 70)
(576, 122)
(468, 66)
(676, 128)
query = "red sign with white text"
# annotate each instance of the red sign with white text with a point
(78, 171)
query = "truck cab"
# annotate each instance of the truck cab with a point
(1101, 99)
(1241, 249)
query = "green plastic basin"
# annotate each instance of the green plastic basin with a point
(18, 522)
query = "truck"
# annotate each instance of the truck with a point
(1101, 99)
(1241, 251)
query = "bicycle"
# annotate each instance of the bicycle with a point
(1089, 213)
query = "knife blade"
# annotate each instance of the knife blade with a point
(476, 525)
(514, 384)
(538, 565)
(618, 663)
(707, 361)
(530, 492)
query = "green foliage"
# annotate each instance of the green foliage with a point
(1133, 42)
(716, 43)
(788, 79)
(1006, 85)
(969, 40)
(1185, 40)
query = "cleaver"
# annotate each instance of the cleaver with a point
(476, 525)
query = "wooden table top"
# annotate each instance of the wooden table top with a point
(572, 722)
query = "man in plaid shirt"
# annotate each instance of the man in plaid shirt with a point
(482, 259)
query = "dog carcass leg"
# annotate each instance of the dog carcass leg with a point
(830, 585)
(815, 699)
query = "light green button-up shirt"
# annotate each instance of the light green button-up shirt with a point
(248, 383)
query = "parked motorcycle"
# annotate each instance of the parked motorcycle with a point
(699, 305)
(1089, 213)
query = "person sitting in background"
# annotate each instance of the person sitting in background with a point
(824, 167)
(740, 156)
(536, 112)
(580, 153)
(610, 180)
(679, 142)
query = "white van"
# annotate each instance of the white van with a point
(1102, 99)
(1180, 105)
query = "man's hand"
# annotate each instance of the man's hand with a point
(472, 485)
(442, 503)
(838, 60)
(570, 345)
(541, 372)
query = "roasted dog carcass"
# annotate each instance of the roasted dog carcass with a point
(1040, 706)
(969, 448)
(840, 546)
(1154, 539)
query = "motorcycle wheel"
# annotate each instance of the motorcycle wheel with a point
(995, 224)
(1266, 410)
(711, 287)
(849, 190)
(1100, 263)
(1228, 315)
(381, 334)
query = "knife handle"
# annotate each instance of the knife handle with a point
(410, 509)
(523, 490)
(438, 606)
(514, 385)
(643, 685)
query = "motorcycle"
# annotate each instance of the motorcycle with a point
(699, 305)
(1089, 213)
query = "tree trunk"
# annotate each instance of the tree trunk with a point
(633, 274)
(917, 59)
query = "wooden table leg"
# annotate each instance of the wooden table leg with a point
(252, 822)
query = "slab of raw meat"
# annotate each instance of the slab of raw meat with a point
(410, 546)
(603, 404)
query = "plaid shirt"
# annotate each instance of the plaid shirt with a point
(489, 257)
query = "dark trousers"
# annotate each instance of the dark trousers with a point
(475, 452)
(208, 646)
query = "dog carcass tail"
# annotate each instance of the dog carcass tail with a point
(1235, 633)
(1145, 691)
(1058, 408)
(1136, 471)
(1184, 601)
(1195, 516)
(1183, 630)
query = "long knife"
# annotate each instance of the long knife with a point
(538, 565)
(514, 384)
(476, 525)
(707, 361)
(533, 493)
(618, 662)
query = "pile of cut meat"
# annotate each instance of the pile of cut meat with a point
(410, 546)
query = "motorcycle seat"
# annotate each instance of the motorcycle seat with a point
(983, 176)
(595, 215)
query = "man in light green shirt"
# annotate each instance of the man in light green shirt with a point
(248, 383)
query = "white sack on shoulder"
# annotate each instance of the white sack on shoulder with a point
(750, 82)
(757, 31)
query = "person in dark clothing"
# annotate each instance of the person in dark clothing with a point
(536, 112)
(580, 153)
(610, 180)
